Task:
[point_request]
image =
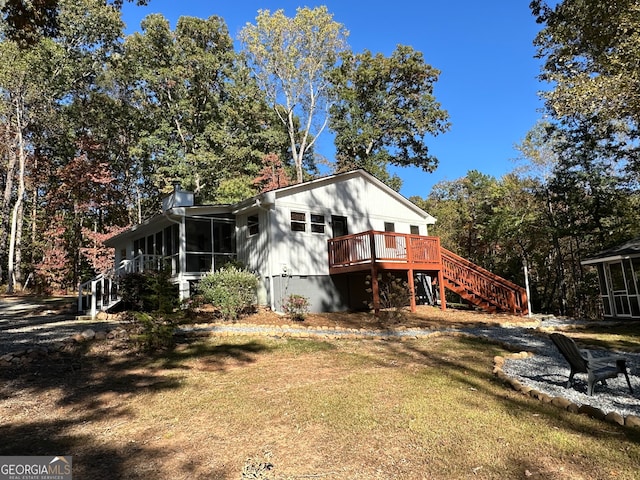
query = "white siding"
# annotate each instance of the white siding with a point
(252, 250)
(365, 205)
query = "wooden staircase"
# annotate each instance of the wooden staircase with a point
(373, 251)
(103, 292)
(480, 287)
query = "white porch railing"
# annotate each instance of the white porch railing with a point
(102, 292)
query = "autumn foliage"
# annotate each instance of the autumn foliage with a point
(272, 175)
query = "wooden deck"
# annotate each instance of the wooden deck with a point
(388, 250)
(375, 251)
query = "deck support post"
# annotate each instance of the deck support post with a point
(443, 301)
(375, 290)
(412, 291)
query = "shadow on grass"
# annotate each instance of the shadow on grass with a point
(95, 457)
(86, 390)
(87, 372)
(217, 355)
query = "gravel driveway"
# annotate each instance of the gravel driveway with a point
(27, 322)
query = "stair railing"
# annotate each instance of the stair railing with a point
(490, 287)
(102, 292)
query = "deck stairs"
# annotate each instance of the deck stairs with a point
(102, 292)
(99, 294)
(482, 288)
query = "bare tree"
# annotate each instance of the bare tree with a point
(291, 58)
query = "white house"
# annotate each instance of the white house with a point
(320, 239)
(281, 235)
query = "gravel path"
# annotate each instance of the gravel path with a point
(25, 323)
(547, 371)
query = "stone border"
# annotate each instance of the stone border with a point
(225, 329)
(29, 355)
(560, 402)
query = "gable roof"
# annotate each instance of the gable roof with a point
(630, 248)
(269, 197)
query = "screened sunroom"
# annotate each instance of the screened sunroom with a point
(186, 240)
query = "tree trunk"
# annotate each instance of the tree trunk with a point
(297, 153)
(34, 209)
(16, 217)
(18, 274)
(139, 204)
(5, 213)
(559, 260)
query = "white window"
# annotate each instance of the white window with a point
(317, 223)
(298, 221)
(253, 225)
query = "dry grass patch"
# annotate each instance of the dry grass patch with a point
(624, 336)
(293, 409)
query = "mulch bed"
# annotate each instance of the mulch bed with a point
(426, 317)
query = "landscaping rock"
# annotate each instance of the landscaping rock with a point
(632, 421)
(591, 411)
(88, 334)
(614, 417)
(515, 384)
(561, 402)
(544, 398)
(526, 389)
(573, 408)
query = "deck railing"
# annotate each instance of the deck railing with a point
(389, 250)
(384, 247)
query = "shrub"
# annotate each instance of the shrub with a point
(230, 289)
(296, 306)
(394, 294)
(149, 292)
(152, 331)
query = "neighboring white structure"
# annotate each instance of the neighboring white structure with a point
(280, 235)
(619, 279)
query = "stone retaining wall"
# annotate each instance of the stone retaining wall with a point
(300, 331)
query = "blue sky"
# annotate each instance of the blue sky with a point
(483, 49)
